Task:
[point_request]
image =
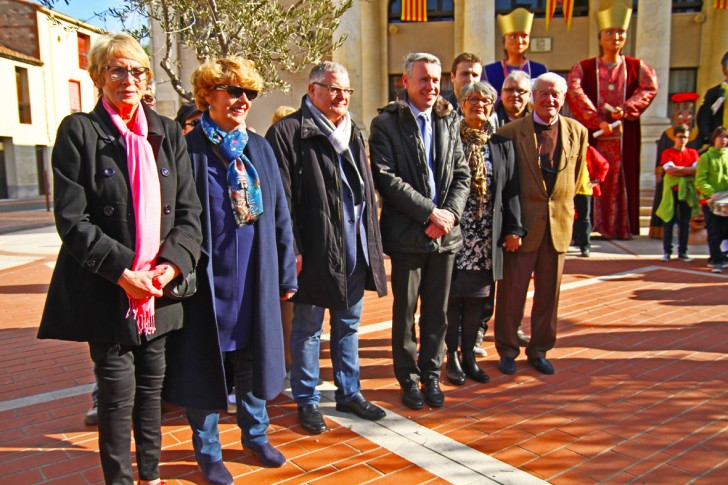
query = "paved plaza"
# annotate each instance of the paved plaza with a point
(639, 396)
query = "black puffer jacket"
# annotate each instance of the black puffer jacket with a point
(310, 171)
(400, 174)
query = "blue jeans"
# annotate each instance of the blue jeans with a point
(306, 344)
(251, 416)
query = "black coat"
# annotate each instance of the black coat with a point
(195, 376)
(506, 206)
(95, 220)
(310, 171)
(400, 172)
(707, 120)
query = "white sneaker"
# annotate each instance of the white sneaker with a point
(718, 268)
(665, 257)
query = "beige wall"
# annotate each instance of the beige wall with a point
(434, 37)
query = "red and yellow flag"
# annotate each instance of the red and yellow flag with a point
(721, 4)
(567, 7)
(414, 11)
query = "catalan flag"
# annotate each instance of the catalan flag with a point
(414, 11)
(567, 7)
(721, 4)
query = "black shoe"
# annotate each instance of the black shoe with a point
(92, 415)
(362, 408)
(454, 371)
(433, 395)
(541, 364)
(523, 339)
(311, 419)
(411, 396)
(507, 365)
(471, 369)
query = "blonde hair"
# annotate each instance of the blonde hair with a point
(281, 112)
(226, 70)
(113, 46)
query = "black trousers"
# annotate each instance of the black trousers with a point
(717, 227)
(468, 313)
(681, 215)
(424, 277)
(130, 385)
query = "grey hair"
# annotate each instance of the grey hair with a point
(518, 77)
(413, 57)
(319, 71)
(552, 78)
(482, 88)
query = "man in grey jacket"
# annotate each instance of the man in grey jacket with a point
(423, 180)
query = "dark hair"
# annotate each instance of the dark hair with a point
(464, 57)
(724, 61)
(185, 112)
(716, 133)
(681, 129)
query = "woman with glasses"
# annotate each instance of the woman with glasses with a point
(247, 267)
(492, 212)
(129, 219)
(188, 116)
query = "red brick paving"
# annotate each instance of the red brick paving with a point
(639, 394)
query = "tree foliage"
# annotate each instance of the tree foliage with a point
(279, 35)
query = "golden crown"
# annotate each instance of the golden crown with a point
(519, 20)
(615, 17)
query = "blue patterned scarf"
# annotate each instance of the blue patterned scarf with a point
(246, 196)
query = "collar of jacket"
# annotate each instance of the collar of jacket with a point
(309, 129)
(108, 131)
(442, 107)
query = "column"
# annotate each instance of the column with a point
(714, 43)
(652, 46)
(478, 28)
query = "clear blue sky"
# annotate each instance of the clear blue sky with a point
(86, 10)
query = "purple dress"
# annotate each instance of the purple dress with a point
(233, 263)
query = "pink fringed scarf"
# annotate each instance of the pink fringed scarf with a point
(147, 197)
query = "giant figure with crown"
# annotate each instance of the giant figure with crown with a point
(605, 90)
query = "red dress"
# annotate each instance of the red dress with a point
(631, 85)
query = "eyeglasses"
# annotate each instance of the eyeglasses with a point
(515, 91)
(117, 73)
(237, 91)
(148, 98)
(192, 123)
(684, 137)
(474, 100)
(336, 90)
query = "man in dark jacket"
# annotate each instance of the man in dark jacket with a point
(423, 180)
(330, 192)
(711, 114)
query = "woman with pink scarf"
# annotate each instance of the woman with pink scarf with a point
(129, 219)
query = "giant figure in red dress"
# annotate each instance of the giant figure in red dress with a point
(603, 90)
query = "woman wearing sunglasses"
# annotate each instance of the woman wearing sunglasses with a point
(247, 266)
(122, 183)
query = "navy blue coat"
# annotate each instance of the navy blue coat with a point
(195, 375)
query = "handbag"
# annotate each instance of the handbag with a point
(181, 287)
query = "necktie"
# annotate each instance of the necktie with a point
(426, 132)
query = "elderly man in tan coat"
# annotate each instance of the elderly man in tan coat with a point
(551, 157)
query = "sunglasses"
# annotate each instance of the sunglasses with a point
(237, 91)
(117, 73)
(192, 123)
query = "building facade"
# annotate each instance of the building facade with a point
(43, 60)
(683, 40)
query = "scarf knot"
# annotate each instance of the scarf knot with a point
(246, 196)
(473, 142)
